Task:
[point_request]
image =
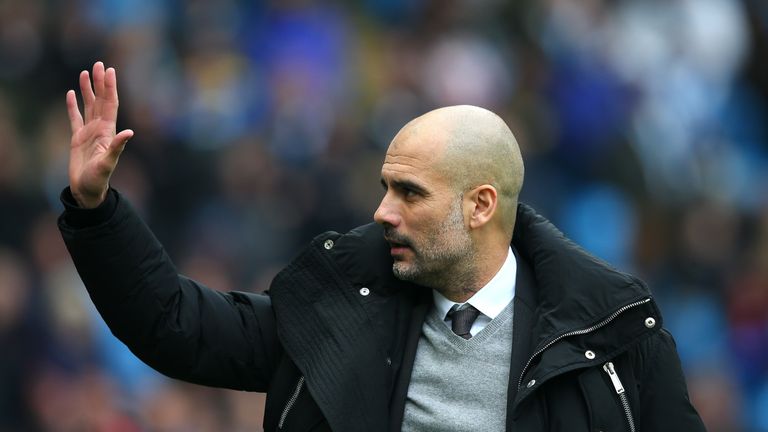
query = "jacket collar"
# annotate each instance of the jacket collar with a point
(575, 294)
(574, 289)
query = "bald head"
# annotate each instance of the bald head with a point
(473, 146)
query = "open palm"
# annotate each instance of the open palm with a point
(95, 146)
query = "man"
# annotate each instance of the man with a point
(459, 310)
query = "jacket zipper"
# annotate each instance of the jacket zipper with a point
(290, 403)
(580, 332)
(609, 369)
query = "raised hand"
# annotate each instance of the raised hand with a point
(95, 146)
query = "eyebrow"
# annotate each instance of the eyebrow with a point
(405, 184)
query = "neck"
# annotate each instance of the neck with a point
(459, 287)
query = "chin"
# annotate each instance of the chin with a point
(403, 271)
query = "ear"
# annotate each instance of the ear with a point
(483, 200)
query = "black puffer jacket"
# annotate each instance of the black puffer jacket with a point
(333, 343)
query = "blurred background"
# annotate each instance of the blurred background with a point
(261, 124)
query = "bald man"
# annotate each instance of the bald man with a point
(452, 178)
(458, 310)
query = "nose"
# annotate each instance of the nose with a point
(387, 213)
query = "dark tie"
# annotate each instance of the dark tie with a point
(461, 320)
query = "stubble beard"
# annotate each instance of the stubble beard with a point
(444, 262)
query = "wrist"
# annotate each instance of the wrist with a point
(76, 216)
(88, 201)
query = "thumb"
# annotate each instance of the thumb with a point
(119, 141)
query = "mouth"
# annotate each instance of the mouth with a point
(397, 251)
(397, 246)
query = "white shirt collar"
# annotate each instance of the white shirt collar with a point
(491, 299)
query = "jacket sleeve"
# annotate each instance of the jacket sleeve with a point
(664, 402)
(174, 324)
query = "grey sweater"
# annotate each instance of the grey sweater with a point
(458, 384)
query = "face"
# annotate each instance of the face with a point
(422, 217)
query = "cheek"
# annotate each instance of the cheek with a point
(425, 217)
(420, 219)
(428, 228)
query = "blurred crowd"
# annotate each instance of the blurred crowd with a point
(258, 125)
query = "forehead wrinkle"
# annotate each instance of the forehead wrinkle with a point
(396, 156)
(415, 153)
(403, 163)
(403, 175)
(423, 170)
(398, 166)
(424, 162)
(412, 162)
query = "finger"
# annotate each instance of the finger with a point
(110, 102)
(75, 119)
(88, 97)
(119, 141)
(98, 88)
